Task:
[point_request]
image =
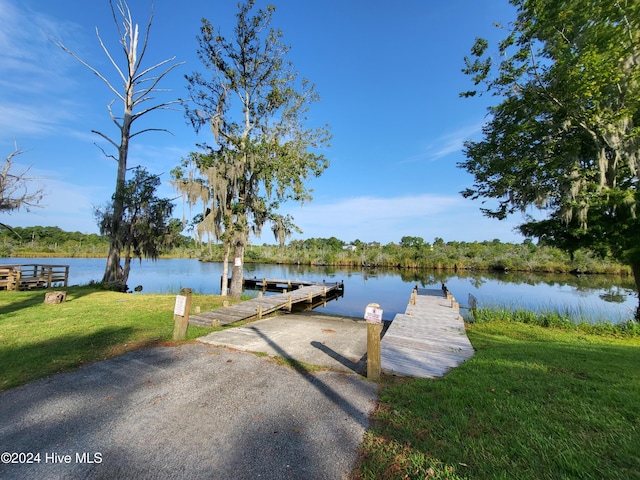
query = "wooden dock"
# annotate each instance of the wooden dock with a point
(276, 285)
(428, 340)
(31, 276)
(306, 297)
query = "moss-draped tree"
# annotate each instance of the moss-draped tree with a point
(145, 228)
(262, 152)
(565, 135)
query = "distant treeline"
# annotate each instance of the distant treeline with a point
(410, 252)
(55, 242)
(416, 253)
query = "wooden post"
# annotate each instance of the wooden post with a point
(454, 304)
(181, 314)
(259, 312)
(473, 303)
(289, 302)
(17, 279)
(373, 351)
(373, 316)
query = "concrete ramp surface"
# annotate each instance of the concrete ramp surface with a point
(193, 411)
(339, 343)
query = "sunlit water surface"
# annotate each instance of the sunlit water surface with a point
(591, 298)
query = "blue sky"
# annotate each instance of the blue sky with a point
(388, 74)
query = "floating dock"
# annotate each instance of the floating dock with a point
(31, 276)
(304, 297)
(428, 340)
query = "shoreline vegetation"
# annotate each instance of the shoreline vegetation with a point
(412, 253)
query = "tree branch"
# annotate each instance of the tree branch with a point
(106, 138)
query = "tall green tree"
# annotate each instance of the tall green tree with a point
(144, 229)
(139, 89)
(412, 242)
(262, 151)
(564, 136)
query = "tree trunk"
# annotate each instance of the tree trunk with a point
(224, 286)
(236, 270)
(113, 270)
(113, 273)
(127, 264)
(635, 267)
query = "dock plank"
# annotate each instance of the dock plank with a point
(426, 341)
(248, 309)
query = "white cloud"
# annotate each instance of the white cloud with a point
(447, 144)
(389, 219)
(26, 120)
(375, 209)
(35, 74)
(65, 205)
(454, 142)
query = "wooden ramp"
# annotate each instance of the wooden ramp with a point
(256, 308)
(428, 340)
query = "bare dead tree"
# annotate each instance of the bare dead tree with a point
(16, 190)
(140, 86)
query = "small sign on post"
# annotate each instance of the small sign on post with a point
(181, 314)
(373, 316)
(373, 313)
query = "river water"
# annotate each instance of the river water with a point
(592, 298)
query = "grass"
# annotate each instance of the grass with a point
(533, 403)
(567, 320)
(38, 340)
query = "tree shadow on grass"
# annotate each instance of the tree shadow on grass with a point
(32, 298)
(24, 363)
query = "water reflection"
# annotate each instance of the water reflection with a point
(590, 296)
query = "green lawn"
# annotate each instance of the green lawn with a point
(37, 340)
(533, 403)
